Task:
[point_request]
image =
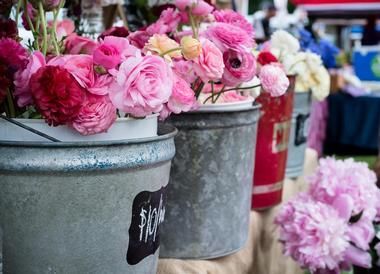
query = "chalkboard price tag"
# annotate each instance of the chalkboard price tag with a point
(148, 212)
(301, 129)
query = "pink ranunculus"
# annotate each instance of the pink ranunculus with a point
(80, 66)
(273, 80)
(75, 44)
(101, 84)
(22, 77)
(185, 70)
(227, 36)
(168, 22)
(202, 8)
(109, 53)
(64, 28)
(183, 4)
(139, 38)
(96, 115)
(234, 18)
(142, 86)
(232, 96)
(209, 64)
(182, 98)
(240, 67)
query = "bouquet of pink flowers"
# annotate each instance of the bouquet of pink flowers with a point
(330, 227)
(211, 53)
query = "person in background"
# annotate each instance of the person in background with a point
(370, 35)
(261, 22)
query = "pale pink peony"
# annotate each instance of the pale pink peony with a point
(182, 98)
(234, 18)
(96, 115)
(273, 79)
(143, 85)
(183, 4)
(227, 36)
(22, 77)
(240, 67)
(232, 96)
(110, 51)
(202, 8)
(209, 64)
(185, 70)
(75, 44)
(313, 234)
(168, 22)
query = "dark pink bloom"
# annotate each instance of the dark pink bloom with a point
(139, 38)
(168, 22)
(114, 31)
(13, 54)
(240, 67)
(8, 28)
(110, 51)
(202, 8)
(75, 44)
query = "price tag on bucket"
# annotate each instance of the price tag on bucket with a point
(301, 129)
(148, 213)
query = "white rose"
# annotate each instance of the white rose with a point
(285, 42)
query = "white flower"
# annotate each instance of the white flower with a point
(295, 63)
(321, 87)
(285, 42)
(313, 61)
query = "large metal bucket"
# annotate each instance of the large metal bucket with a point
(298, 134)
(209, 194)
(84, 208)
(272, 147)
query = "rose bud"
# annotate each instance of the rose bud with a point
(191, 48)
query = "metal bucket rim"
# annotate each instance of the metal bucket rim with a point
(254, 106)
(165, 132)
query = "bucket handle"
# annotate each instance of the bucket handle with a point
(13, 121)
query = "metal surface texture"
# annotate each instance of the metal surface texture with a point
(209, 194)
(298, 134)
(67, 207)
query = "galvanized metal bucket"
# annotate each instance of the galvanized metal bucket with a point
(83, 208)
(298, 134)
(209, 194)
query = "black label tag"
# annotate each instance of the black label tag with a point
(301, 129)
(148, 212)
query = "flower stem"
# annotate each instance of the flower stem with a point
(53, 32)
(44, 30)
(193, 26)
(199, 89)
(225, 90)
(170, 51)
(220, 93)
(12, 111)
(19, 3)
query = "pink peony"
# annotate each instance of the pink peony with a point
(13, 54)
(183, 4)
(232, 96)
(182, 98)
(101, 84)
(202, 8)
(209, 64)
(273, 80)
(64, 28)
(227, 36)
(234, 18)
(75, 44)
(168, 22)
(185, 70)
(139, 38)
(96, 115)
(110, 51)
(143, 85)
(240, 67)
(313, 234)
(22, 77)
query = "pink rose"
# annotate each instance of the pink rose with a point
(96, 115)
(110, 51)
(273, 79)
(139, 38)
(142, 86)
(232, 96)
(182, 98)
(101, 84)
(227, 36)
(168, 22)
(209, 64)
(240, 67)
(64, 28)
(22, 77)
(202, 8)
(234, 18)
(75, 44)
(183, 4)
(185, 70)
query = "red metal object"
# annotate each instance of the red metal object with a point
(272, 147)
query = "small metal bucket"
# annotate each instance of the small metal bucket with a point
(83, 208)
(209, 194)
(298, 134)
(272, 147)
